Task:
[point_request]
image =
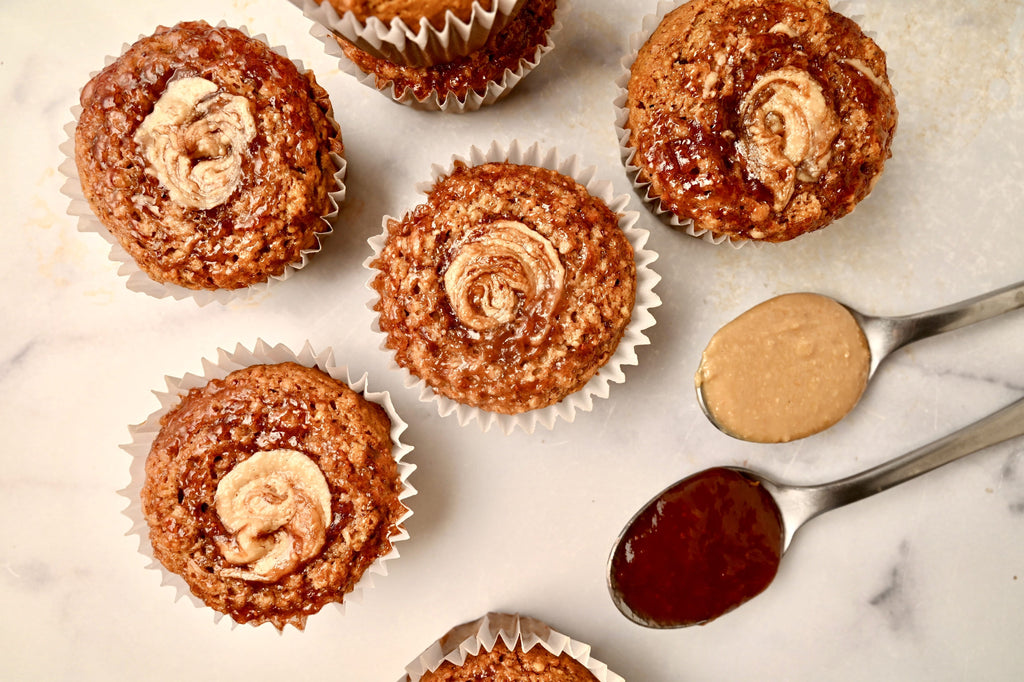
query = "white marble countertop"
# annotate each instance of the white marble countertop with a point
(923, 582)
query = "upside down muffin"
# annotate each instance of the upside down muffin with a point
(271, 491)
(516, 45)
(208, 156)
(507, 289)
(759, 119)
(501, 664)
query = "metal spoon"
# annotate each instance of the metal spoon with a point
(885, 335)
(798, 504)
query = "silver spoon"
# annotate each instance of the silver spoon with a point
(796, 505)
(885, 335)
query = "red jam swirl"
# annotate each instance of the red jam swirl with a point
(703, 547)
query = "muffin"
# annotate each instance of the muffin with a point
(270, 491)
(507, 289)
(507, 648)
(412, 32)
(209, 157)
(757, 120)
(465, 83)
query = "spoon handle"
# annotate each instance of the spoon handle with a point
(1003, 425)
(909, 328)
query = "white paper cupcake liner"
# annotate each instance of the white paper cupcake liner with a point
(469, 639)
(850, 8)
(421, 45)
(448, 102)
(137, 279)
(143, 435)
(633, 337)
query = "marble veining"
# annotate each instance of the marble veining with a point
(894, 600)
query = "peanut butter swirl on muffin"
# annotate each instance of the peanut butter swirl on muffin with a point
(508, 289)
(271, 491)
(208, 156)
(502, 664)
(759, 119)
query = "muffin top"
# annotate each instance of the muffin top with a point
(501, 664)
(759, 120)
(409, 11)
(519, 40)
(507, 289)
(271, 491)
(207, 155)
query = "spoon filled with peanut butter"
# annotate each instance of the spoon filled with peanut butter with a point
(796, 364)
(714, 540)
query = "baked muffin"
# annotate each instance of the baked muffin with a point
(498, 65)
(507, 289)
(502, 647)
(208, 156)
(502, 664)
(758, 119)
(271, 491)
(412, 32)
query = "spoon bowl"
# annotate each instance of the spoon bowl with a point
(656, 573)
(882, 335)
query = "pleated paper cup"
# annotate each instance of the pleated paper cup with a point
(516, 632)
(136, 278)
(599, 386)
(262, 353)
(417, 46)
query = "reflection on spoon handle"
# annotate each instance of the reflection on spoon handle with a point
(1005, 424)
(895, 332)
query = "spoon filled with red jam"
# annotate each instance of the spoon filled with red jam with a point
(714, 540)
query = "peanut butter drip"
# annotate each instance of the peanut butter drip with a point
(194, 141)
(277, 507)
(787, 131)
(501, 271)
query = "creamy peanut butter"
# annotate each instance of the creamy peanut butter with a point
(787, 131)
(500, 269)
(785, 369)
(277, 506)
(194, 141)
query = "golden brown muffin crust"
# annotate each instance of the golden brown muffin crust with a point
(503, 51)
(717, 95)
(409, 11)
(266, 407)
(560, 271)
(502, 665)
(272, 214)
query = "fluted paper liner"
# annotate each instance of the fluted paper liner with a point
(469, 639)
(143, 435)
(449, 102)
(852, 9)
(421, 45)
(625, 354)
(137, 279)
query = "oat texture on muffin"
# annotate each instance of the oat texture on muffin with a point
(503, 52)
(508, 289)
(271, 491)
(759, 119)
(502, 664)
(409, 11)
(207, 155)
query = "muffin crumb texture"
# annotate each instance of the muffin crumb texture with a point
(409, 11)
(508, 289)
(759, 121)
(271, 491)
(208, 156)
(503, 665)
